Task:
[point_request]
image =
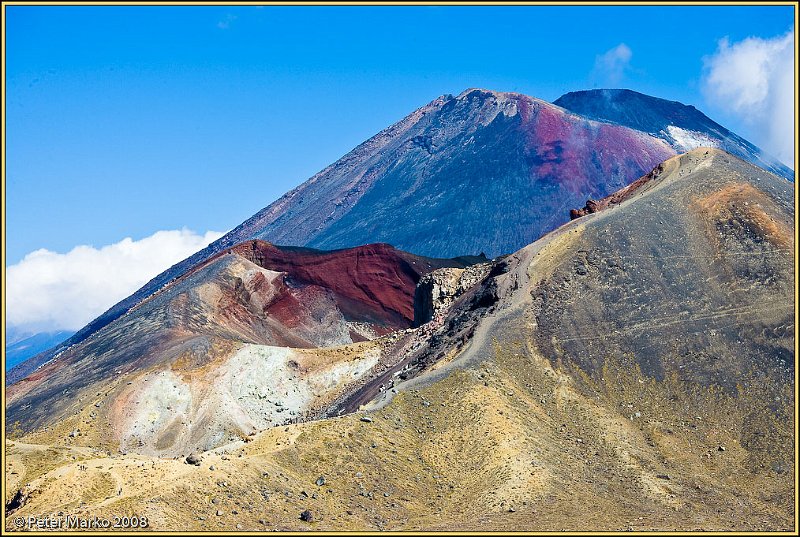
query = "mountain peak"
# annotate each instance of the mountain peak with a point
(484, 93)
(477, 92)
(633, 109)
(683, 126)
(414, 184)
(617, 92)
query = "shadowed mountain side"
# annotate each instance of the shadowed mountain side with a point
(483, 171)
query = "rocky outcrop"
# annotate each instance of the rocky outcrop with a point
(20, 499)
(437, 290)
(593, 206)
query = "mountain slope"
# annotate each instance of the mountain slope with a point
(255, 293)
(683, 127)
(688, 274)
(480, 172)
(484, 171)
(632, 370)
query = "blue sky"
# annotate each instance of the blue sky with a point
(123, 121)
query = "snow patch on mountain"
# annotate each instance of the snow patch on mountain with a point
(687, 140)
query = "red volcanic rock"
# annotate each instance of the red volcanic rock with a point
(373, 283)
(254, 292)
(593, 206)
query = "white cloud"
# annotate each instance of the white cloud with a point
(52, 291)
(610, 67)
(753, 81)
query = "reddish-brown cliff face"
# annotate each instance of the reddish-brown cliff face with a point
(373, 283)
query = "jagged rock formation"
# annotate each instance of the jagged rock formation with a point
(434, 293)
(593, 206)
(437, 290)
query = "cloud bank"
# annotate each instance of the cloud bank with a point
(610, 67)
(52, 291)
(753, 81)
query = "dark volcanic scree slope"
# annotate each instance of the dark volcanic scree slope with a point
(484, 171)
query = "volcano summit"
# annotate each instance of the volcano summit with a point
(631, 368)
(483, 171)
